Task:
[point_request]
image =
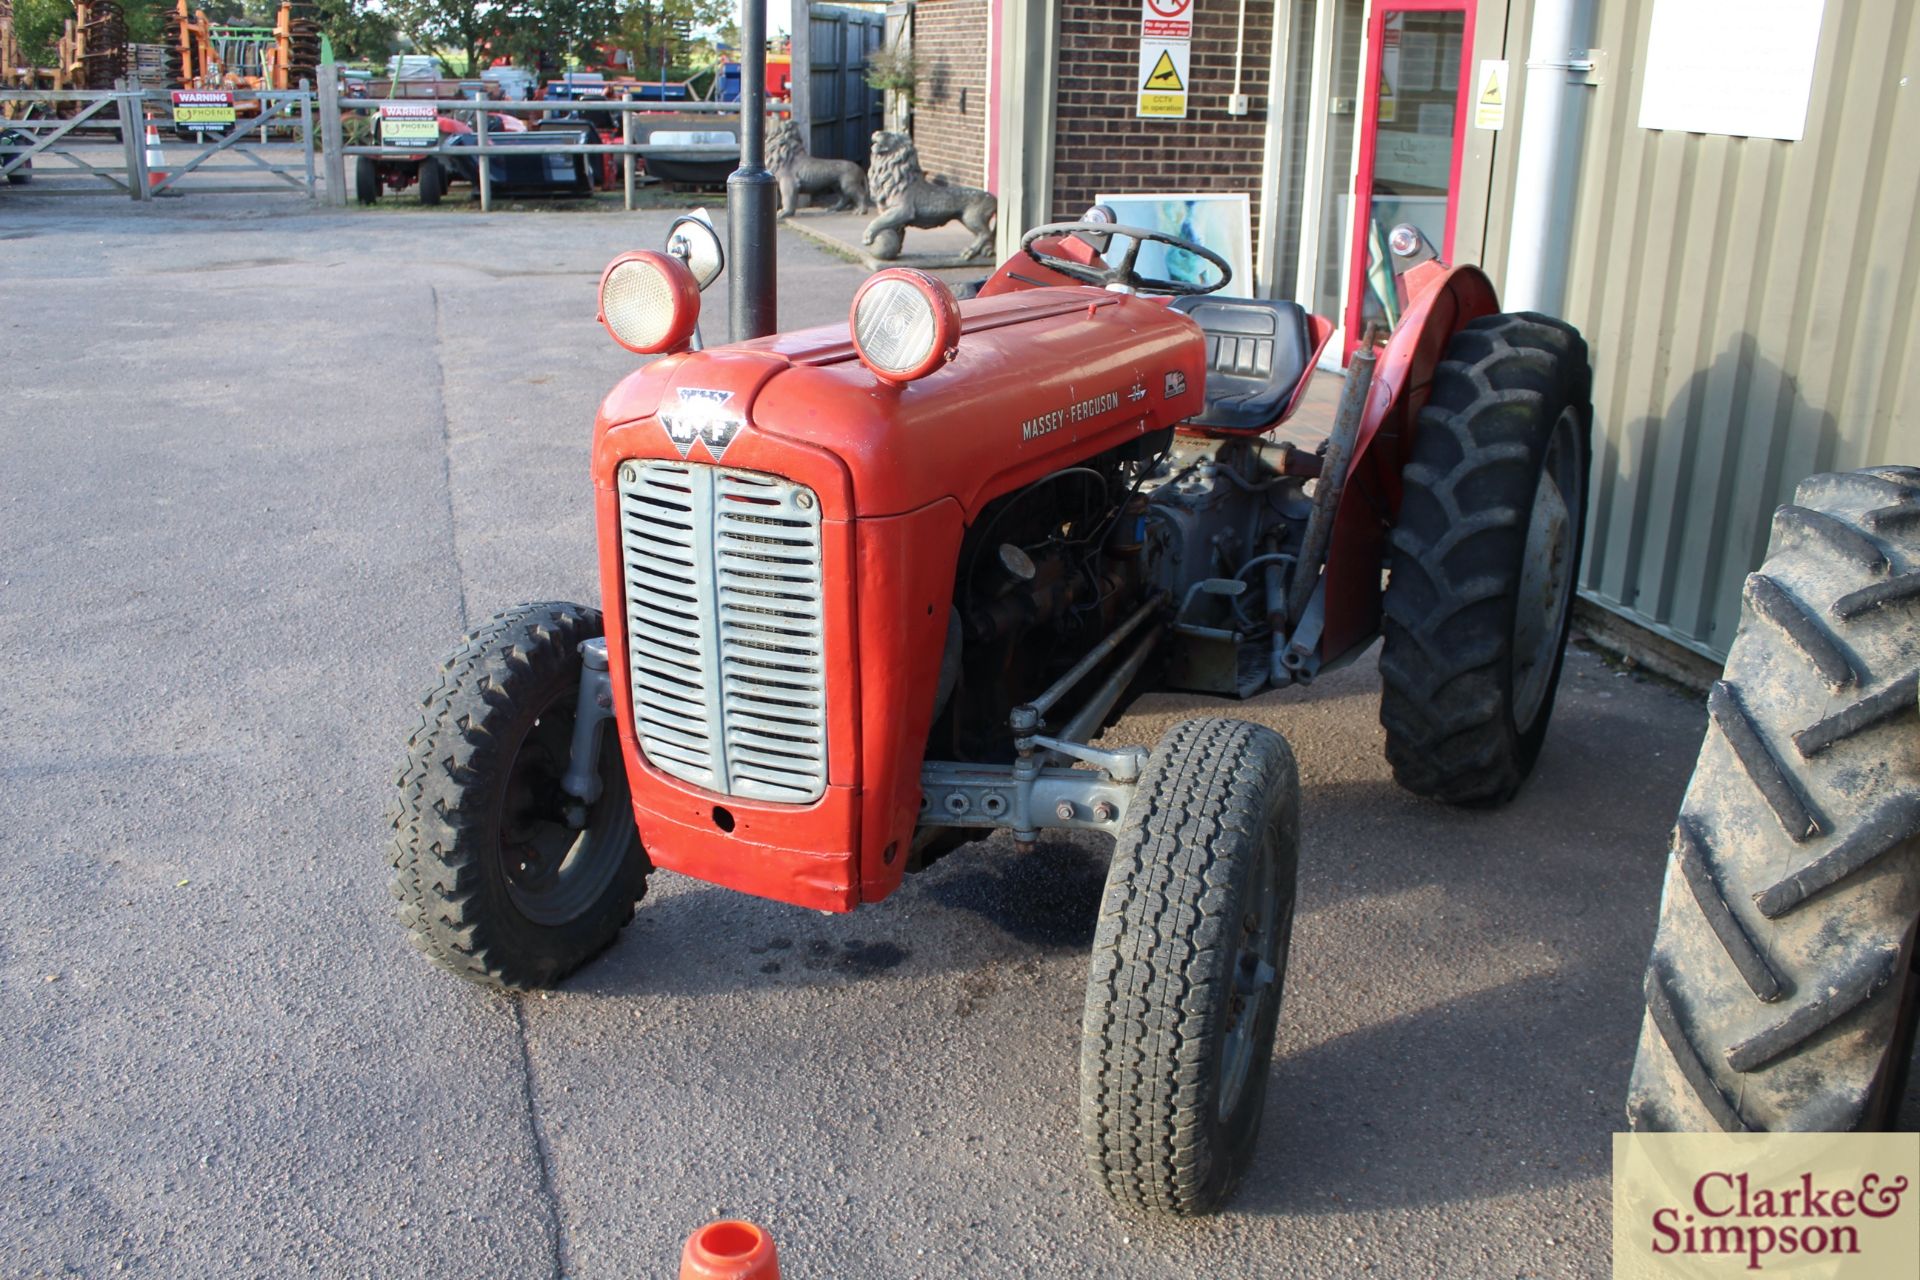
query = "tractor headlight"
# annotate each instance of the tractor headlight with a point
(905, 323)
(649, 301)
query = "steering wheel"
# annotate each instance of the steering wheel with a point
(1122, 272)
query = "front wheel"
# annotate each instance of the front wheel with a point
(1189, 960)
(1486, 551)
(497, 880)
(366, 179)
(433, 181)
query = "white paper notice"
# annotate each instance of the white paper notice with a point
(1738, 67)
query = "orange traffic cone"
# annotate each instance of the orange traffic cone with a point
(156, 158)
(729, 1250)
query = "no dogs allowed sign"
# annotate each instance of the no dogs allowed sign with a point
(1166, 33)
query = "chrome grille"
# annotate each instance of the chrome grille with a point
(724, 634)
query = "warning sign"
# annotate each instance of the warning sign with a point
(1163, 78)
(1166, 19)
(409, 124)
(203, 110)
(1490, 95)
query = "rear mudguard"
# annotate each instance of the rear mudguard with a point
(1370, 503)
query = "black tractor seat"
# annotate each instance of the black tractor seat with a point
(1257, 354)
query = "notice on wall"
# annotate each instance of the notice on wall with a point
(1163, 78)
(414, 124)
(1490, 89)
(1743, 68)
(1166, 19)
(1166, 51)
(203, 110)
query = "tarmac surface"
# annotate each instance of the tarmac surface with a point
(259, 469)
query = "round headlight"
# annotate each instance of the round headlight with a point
(906, 324)
(649, 301)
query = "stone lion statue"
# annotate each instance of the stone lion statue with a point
(908, 198)
(801, 174)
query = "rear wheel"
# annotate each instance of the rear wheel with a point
(1189, 961)
(1780, 995)
(1485, 555)
(433, 181)
(366, 179)
(495, 883)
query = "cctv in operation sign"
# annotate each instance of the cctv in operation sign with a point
(1166, 36)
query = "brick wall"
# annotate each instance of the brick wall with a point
(1100, 145)
(950, 108)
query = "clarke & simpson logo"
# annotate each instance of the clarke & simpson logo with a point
(1838, 1205)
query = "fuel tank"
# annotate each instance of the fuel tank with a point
(1042, 379)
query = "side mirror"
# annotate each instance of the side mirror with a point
(693, 240)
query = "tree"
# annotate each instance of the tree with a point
(658, 32)
(439, 25)
(359, 33)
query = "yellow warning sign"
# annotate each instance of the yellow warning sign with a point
(1164, 68)
(1490, 97)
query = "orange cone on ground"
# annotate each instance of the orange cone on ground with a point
(156, 158)
(729, 1250)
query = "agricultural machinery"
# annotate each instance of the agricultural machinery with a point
(872, 591)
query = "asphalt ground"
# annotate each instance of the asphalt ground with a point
(259, 469)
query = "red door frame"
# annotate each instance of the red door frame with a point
(1369, 141)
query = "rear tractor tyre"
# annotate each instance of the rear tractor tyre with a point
(1189, 962)
(1781, 992)
(366, 179)
(494, 883)
(433, 181)
(1484, 559)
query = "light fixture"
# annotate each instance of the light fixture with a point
(649, 301)
(906, 324)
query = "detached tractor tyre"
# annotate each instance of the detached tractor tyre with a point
(366, 179)
(1484, 559)
(494, 883)
(1781, 991)
(1189, 962)
(433, 181)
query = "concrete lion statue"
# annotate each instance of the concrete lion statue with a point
(908, 198)
(801, 174)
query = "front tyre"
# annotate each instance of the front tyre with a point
(494, 883)
(433, 181)
(1189, 961)
(1485, 554)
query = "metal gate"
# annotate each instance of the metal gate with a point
(846, 110)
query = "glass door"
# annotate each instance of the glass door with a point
(1414, 101)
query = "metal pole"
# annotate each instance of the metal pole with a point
(480, 138)
(626, 139)
(306, 129)
(333, 160)
(752, 304)
(133, 140)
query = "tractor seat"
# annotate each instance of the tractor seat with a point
(1257, 353)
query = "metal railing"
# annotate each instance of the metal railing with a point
(289, 111)
(336, 149)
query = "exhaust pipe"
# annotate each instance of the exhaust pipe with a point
(752, 302)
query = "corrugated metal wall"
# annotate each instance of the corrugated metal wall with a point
(1750, 304)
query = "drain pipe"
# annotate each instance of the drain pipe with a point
(1549, 159)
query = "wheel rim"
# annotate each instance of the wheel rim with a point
(1546, 570)
(1259, 968)
(554, 873)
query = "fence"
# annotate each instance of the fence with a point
(478, 108)
(103, 143)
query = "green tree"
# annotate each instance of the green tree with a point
(657, 31)
(359, 33)
(442, 26)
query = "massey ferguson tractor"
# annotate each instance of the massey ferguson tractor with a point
(871, 591)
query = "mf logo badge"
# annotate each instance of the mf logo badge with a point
(702, 415)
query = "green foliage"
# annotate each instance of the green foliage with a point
(656, 30)
(894, 69)
(359, 32)
(36, 25)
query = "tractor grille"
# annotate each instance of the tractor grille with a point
(724, 628)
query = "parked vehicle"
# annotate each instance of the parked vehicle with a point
(527, 173)
(1783, 987)
(12, 141)
(873, 590)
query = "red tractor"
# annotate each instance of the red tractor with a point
(872, 591)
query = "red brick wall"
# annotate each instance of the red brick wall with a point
(1099, 144)
(950, 107)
